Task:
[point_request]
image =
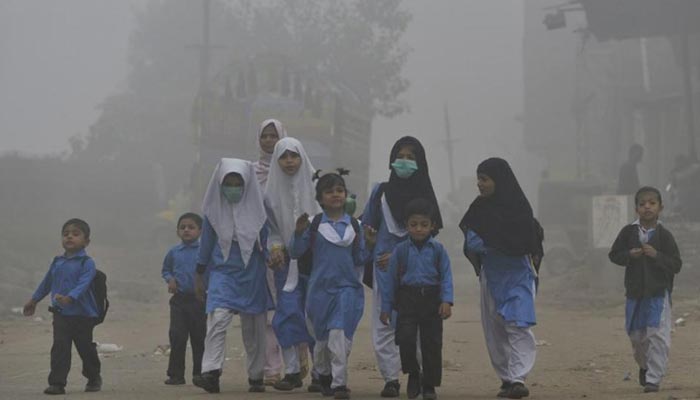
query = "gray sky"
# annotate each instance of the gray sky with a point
(61, 59)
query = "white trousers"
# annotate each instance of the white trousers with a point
(652, 345)
(512, 349)
(385, 348)
(254, 338)
(331, 357)
(292, 364)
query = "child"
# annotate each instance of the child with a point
(73, 306)
(335, 295)
(502, 238)
(187, 316)
(289, 194)
(233, 249)
(651, 258)
(271, 131)
(384, 213)
(419, 287)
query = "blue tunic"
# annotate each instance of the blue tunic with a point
(181, 263)
(289, 321)
(232, 284)
(335, 297)
(70, 276)
(510, 280)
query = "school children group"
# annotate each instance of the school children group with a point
(277, 246)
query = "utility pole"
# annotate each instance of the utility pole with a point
(449, 142)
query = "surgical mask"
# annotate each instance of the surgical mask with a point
(404, 168)
(232, 194)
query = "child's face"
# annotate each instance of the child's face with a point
(487, 187)
(290, 162)
(73, 239)
(649, 207)
(419, 227)
(232, 180)
(333, 199)
(188, 230)
(406, 153)
(268, 138)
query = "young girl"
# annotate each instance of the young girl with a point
(271, 131)
(289, 194)
(385, 213)
(335, 294)
(501, 239)
(233, 248)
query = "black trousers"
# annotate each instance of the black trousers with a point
(66, 331)
(418, 311)
(187, 319)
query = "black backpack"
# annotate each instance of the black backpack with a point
(99, 290)
(305, 262)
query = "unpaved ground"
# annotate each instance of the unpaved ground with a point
(586, 354)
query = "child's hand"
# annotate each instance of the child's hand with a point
(370, 236)
(649, 251)
(199, 288)
(29, 308)
(302, 223)
(385, 317)
(277, 257)
(64, 300)
(636, 252)
(383, 261)
(445, 310)
(172, 286)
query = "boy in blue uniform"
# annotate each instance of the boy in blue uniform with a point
(420, 289)
(73, 306)
(187, 316)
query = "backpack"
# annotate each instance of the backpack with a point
(98, 286)
(376, 207)
(305, 262)
(402, 263)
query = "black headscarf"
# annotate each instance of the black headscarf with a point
(399, 191)
(504, 220)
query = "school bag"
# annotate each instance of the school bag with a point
(304, 263)
(402, 264)
(98, 286)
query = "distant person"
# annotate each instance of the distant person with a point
(233, 250)
(384, 212)
(628, 179)
(503, 241)
(74, 308)
(651, 258)
(419, 287)
(187, 316)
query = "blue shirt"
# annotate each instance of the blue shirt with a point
(421, 269)
(70, 276)
(181, 263)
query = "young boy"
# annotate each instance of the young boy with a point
(420, 289)
(187, 316)
(651, 258)
(73, 306)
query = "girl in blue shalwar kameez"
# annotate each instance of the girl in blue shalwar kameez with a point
(289, 193)
(503, 241)
(232, 248)
(335, 296)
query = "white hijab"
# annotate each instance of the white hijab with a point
(240, 222)
(291, 196)
(262, 166)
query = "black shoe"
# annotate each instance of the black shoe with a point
(55, 389)
(429, 393)
(505, 389)
(413, 387)
(651, 388)
(94, 385)
(289, 382)
(341, 392)
(175, 381)
(208, 381)
(256, 386)
(642, 377)
(518, 391)
(326, 385)
(391, 389)
(315, 386)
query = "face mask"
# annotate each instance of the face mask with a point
(404, 168)
(350, 205)
(232, 194)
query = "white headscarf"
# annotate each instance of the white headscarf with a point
(291, 196)
(242, 221)
(262, 166)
